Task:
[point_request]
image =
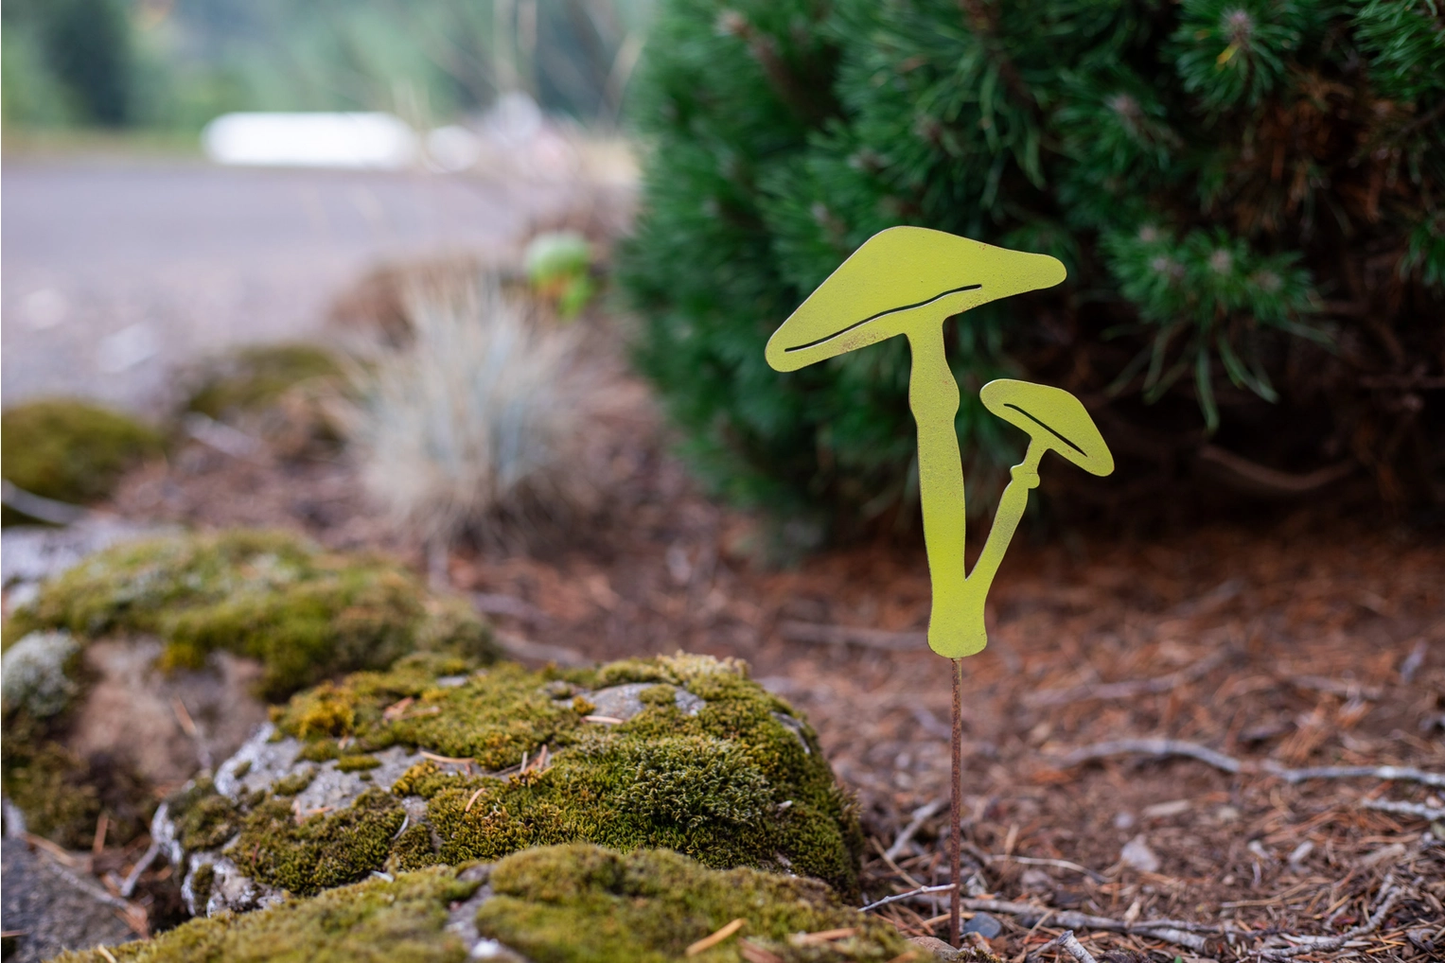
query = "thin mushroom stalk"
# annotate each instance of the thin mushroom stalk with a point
(908, 281)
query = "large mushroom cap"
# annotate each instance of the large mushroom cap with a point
(881, 288)
(1051, 416)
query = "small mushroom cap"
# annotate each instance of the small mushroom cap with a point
(901, 277)
(1053, 417)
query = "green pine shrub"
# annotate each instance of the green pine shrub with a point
(1247, 195)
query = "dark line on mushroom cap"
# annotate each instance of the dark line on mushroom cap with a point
(875, 317)
(1041, 424)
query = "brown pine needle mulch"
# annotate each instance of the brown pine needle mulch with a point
(1140, 733)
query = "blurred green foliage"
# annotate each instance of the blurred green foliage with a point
(178, 64)
(1247, 195)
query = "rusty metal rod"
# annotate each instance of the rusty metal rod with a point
(955, 809)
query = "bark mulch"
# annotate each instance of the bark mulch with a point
(1139, 732)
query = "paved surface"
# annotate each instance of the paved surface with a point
(115, 271)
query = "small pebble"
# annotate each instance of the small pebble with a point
(1136, 854)
(984, 925)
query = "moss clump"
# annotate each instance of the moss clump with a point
(61, 794)
(256, 377)
(396, 921)
(71, 451)
(304, 853)
(357, 763)
(581, 903)
(294, 783)
(554, 905)
(738, 783)
(305, 614)
(204, 818)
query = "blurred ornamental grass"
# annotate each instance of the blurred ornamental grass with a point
(469, 428)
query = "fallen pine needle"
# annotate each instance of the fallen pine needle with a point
(453, 760)
(607, 720)
(106, 953)
(472, 800)
(754, 953)
(708, 942)
(822, 936)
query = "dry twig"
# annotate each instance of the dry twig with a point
(1066, 942)
(921, 815)
(1123, 690)
(1180, 932)
(1389, 895)
(1178, 747)
(1406, 808)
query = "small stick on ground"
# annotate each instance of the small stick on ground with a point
(921, 815)
(1406, 808)
(1131, 689)
(1066, 942)
(1389, 895)
(127, 887)
(1180, 932)
(1162, 748)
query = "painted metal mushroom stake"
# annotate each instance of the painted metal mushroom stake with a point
(908, 281)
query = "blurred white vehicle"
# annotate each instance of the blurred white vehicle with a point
(369, 141)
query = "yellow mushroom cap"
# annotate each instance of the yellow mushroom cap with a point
(1052, 417)
(889, 282)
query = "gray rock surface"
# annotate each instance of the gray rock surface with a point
(51, 908)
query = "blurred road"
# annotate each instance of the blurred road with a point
(116, 271)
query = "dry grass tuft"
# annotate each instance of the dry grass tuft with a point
(470, 429)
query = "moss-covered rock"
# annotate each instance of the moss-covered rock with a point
(679, 752)
(556, 904)
(258, 376)
(281, 393)
(303, 613)
(96, 663)
(69, 450)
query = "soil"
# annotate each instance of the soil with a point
(1304, 640)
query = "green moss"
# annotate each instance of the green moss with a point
(731, 785)
(243, 767)
(305, 853)
(581, 903)
(396, 921)
(294, 783)
(204, 818)
(305, 614)
(255, 377)
(553, 905)
(357, 763)
(202, 880)
(63, 795)
(68, 450)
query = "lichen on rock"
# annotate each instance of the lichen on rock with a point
(39, 675)
(476, 766)
(555, 904)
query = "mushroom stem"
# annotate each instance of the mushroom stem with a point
(1023, 477)
(933, 397)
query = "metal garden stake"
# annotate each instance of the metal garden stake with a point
(908, 281)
